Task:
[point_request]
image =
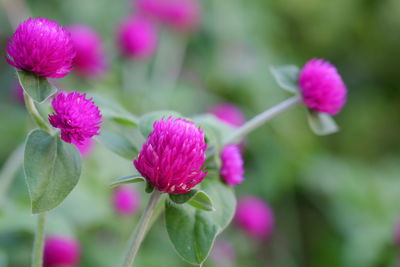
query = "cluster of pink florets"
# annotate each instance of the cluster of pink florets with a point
(173, 156)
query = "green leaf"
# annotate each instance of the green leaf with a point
(196, 198)
(322, 123)
(52, 169)
(287, 77)
(117, 143)
(147, 120)
(193, 231)
(36, 87)
(114, 111)
(128, 180)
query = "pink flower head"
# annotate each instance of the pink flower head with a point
(90, 60)
(85, 147)
(232, 165)
(321, 87)
(77, 117)
(126, 200)
(182, 15)
(137, 37)
(255, 217)
(42, 47)
(172, 158)
(228, 113)
(61, 251)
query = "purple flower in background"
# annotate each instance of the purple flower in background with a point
(321, 87)
(232, 165)
(223, 253)
(228, 113)
(182, 15)
(42, 47)
(126, 200)
(78, 118)
(172, 158)
(90, 59)
(61, 251)
(137, 37)
(397, 233)
(255, 217)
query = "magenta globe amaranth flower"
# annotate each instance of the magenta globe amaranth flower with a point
(223, 253)
(228, 113)
(90, 59)
(77, 117)
(172, 157)
(255, 217)
(137, 37)
(321, 87)
(232, 165)
(126, 200)
(42, 47)
(182, 15)
(85, 147)
(61, 251)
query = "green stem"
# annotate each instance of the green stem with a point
(30, 106)
(9, 170)
(141, 229)
(262, 118)
(37, 255)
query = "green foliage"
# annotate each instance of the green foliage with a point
(36, 87)
(287, 77)
(193, 231)
(321, 123)
(196, 198)
(52, 169)
(117, 143)
(128, 180)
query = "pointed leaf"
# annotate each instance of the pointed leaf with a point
(193, 231)
(117, 143)
(322, 123)
(36, 87)
(52, 169)
(286, 77)
(196, 198)
(147, 120)
(114, 111)
(128, 180)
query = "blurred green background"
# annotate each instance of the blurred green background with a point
(336, 198)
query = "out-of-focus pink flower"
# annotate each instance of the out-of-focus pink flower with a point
(182, 15)
(255, 217)
(90, 59)
(223, 253)
(85, 147)
(137, 37)
(232, 165)
(126, 200)
(42, 47)
(397, 234)
(321, 87)
(61, 251)
(228, 113)
(78, 118)
(172, 158)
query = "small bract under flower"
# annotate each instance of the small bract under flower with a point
(232, 165)
(42, 47)
(321, 87)
(172, 158)
(78, 118)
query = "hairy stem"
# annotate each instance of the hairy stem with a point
(262, 118)
(37, 255)
(141, 229)
(30, 106)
